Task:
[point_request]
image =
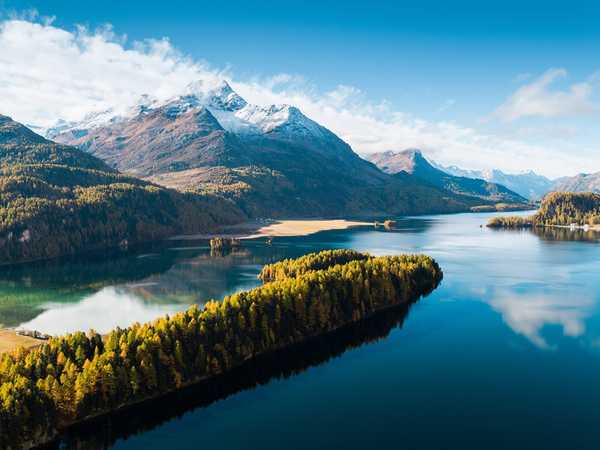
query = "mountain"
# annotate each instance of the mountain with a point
(529, 184)
(56, 200)
(271, 160)
(20, 145)
(584, 182)
(414, 163)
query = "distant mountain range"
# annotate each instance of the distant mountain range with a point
(271, 160)
(414, 163)
(529, 184)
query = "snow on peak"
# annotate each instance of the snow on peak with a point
(218, 95)
(231, 111)
(91, 120)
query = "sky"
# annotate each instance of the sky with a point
(512, 85)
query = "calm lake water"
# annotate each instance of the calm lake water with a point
(505, 354)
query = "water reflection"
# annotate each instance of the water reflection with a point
(103, 311)
(566, 234)
(159, 278)
(529, 313)
(480, 265)
(104, 432)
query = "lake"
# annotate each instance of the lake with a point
(504, 354)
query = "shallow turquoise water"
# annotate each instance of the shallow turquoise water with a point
(504, 354)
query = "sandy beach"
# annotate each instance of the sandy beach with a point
(276, 228)
(10, 340)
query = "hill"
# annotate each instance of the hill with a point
(57, 200)
(558, 209)
(414, 163)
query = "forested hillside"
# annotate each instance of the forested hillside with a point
(565, 208)
(78, 376)
(56, 200)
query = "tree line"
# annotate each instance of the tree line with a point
(49, 210)
(78, 376)
(557, 208)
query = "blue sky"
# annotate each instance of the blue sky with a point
(439, 62)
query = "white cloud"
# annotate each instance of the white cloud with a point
(47, 73)
(537, 99)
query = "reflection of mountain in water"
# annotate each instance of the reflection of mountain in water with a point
(104, 432)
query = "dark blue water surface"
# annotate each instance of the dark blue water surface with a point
(504, 354)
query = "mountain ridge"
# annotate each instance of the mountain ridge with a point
(412, 161)
(527, 184)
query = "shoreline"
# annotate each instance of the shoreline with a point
(275, 228)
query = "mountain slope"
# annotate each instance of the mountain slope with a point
(57, 200)
(584, 182)
(20, 145)
(414, 163)
(271, 160)
(529, 185)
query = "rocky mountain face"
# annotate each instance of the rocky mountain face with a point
(529, 184)
(414, 163)
(213, 128)
(271, 160)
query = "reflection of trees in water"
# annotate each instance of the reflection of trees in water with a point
(413, 224)
(93, 270)
(565, 234)
(208, 275)
(552, 234)
(104, 432)
(25, 288)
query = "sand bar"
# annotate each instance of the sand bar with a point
(277, 228)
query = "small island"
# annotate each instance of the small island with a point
(77, 377)
(576, 210)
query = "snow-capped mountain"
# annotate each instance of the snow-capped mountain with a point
(151, 136)
(528, 184)
(98, 119)
(269, 159)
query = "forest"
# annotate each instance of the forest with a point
(79, 376)
(557, 208)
